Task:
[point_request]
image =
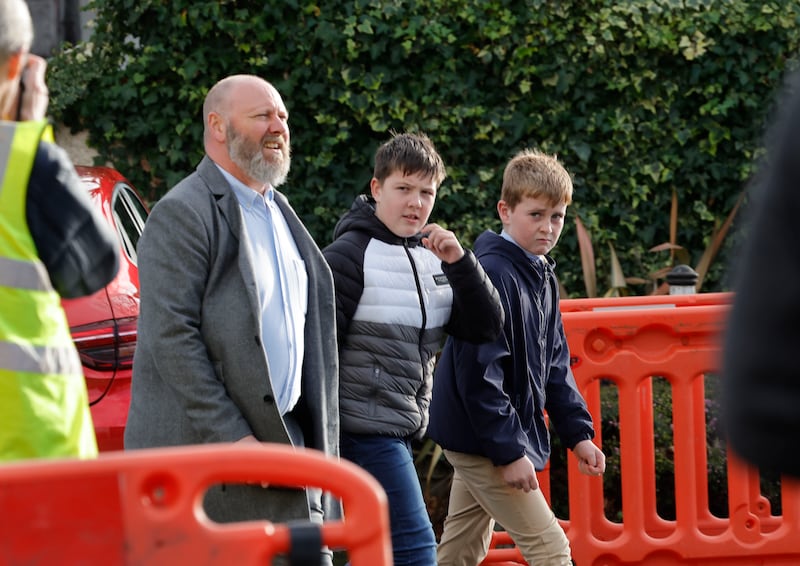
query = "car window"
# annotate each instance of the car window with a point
(130, 215)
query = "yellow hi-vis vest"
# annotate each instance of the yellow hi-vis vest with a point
(44, 410)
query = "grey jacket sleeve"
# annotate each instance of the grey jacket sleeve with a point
(75, 243)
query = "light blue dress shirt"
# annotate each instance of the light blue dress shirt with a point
(282, 283)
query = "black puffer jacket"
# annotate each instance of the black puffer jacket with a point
(395, 301)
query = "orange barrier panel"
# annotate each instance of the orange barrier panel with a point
(645, 301)
(626, 343)
(144, 508)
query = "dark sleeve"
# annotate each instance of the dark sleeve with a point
(76, 244)
(477, 311)
(760, 378)
(565, 405)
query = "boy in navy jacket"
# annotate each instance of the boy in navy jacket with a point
(489, 400)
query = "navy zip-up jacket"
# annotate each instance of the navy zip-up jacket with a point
(490, 399)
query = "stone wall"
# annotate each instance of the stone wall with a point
(75, 145)
(54, 22)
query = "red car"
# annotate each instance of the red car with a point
(103, 325)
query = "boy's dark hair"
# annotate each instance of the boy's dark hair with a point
(411, 153)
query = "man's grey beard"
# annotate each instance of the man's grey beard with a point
(249, 158)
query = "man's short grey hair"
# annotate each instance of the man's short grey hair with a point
(16, 28)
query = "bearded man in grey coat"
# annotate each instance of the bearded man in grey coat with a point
(237, 338)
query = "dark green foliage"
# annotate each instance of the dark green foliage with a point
(636, 97)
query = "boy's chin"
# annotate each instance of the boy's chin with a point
(538, 250)
(407, 232)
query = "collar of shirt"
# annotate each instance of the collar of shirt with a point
(246, 196)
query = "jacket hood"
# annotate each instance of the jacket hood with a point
(361, 218)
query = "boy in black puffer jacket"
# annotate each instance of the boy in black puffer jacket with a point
(401, 284)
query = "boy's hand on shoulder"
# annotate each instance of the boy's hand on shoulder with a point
(520, 474)
(591, 460)
(443, 243)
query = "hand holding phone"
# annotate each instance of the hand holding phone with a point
(33, 96)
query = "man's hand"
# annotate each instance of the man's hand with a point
(32, 101)
(520, 474)
(251, 439)
(443, 243)
(591, 460)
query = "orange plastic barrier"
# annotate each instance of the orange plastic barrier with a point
(626, 342)
(144, 508)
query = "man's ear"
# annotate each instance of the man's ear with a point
(217, 127)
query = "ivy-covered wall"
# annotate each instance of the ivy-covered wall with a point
(638, 98)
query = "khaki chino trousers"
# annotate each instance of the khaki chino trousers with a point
(478, 498)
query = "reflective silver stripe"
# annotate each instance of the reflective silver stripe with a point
(19, 274)
(52, 360)
(6, 137)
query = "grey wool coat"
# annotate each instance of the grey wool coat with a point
(200, 374)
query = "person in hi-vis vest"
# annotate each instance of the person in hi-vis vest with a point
(53, 244)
